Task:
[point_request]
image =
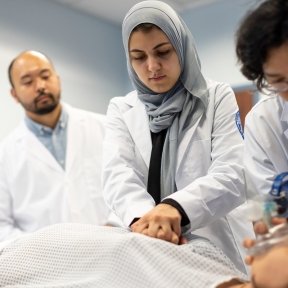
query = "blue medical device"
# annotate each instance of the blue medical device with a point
(279, 194)
(275, 205)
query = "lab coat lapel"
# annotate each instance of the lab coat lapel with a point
(36, 149)
(138, 125)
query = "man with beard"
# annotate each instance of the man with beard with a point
(50, 164)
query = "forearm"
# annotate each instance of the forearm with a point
(206, 200)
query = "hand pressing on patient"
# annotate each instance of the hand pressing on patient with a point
(162, 222)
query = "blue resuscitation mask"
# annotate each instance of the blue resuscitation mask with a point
(275, 204)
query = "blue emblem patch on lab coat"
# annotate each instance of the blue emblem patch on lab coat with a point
(238, 124)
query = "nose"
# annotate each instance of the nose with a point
(153, 64)
(40, 84)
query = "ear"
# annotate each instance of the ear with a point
(14, 94)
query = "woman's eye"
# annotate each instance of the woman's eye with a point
(138, 57)
(163, 53)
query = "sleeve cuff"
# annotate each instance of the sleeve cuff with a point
(184, 218)
(133, 221)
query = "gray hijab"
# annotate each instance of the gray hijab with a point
(178, 109)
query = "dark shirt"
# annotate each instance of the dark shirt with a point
(154, 175)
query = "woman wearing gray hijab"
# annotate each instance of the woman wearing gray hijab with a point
(173, 147)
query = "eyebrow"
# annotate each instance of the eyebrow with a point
(156, 47)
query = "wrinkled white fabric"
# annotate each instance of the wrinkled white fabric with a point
(77, 255)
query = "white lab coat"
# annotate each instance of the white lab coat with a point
(34, 189)
(209, 172)
(266, 143)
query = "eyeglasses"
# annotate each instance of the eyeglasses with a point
(278, 87)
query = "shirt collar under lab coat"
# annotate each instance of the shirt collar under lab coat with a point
(38, 129)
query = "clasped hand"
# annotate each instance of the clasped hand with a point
(162, 222)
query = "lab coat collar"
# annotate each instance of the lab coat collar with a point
(132, 99)
(38, 150)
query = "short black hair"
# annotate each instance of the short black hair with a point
(10, 67)
(262, 29)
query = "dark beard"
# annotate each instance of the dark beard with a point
(46, 109)
(49, 107)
